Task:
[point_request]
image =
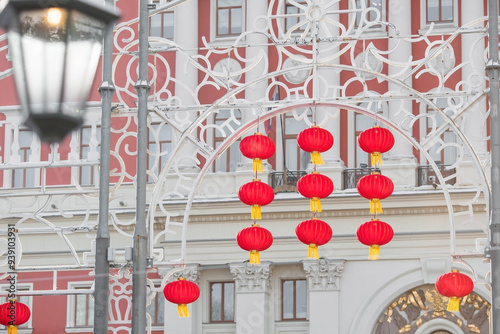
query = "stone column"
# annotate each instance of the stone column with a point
(252, 284)
(401, 164)
(323, 278)
(186, 35)
(256, 53)
(328, 87)
(475, 125)
(175, 323)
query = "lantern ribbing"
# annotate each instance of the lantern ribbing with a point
(454, 285)
(13, 314)
(182, 292)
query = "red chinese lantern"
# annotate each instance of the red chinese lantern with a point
(181, 292)
(254, 239)
(375, 187)
(315, 140)
(256, 194)
(258, 148)
(315, 186)
(313, 232)
(13, 314)
(374, 233)
(454, 285)
(376, 141)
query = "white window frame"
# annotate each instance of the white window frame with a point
(438, 27)
(70, 310)
(372, 31)
(213, 24)
(22, 286)
(159, 294)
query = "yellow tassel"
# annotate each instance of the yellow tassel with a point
(11, 329)
(257, 165)
(374, 251)
(453, 304)
(376, 159)
(315, 204)
(183, 311)
(375, 206)
(254, 257)
(312, 252)
(316, 158)
(256, 212)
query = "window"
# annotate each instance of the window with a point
(296, 13)
(222, 302)
(295, 158)
(162, 25)
(25, 177)
(80, 307)
(439, 11)
(226, 120)
(159, 145)
(229, 17)
(156, 310)
(370, 15)
(89, 150)
(293, 299)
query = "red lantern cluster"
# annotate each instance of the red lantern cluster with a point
(376, 141)
(374, 233)
(315, 140)
(375, 187)
(181, 292)
(13, 314)
(256, 194)
(454, 285)
(315, 186)
(257, 147)
(313, 232)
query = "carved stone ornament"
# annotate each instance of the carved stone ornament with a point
(323, 274)
(251, 277)
(189, 272)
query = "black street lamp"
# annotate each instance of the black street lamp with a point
(55, 53)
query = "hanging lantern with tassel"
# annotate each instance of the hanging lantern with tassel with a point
(374, 233)
(315, 186)
(376, 141)
(256, 194)
(257, 147)
(254, 239)
(181, 292)
(315, 140)
(375, 187)
(454, 285)
(313, 232)
(13, 314)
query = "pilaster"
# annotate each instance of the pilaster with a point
(323, 278)
(252, 285)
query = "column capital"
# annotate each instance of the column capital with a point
(323, 274)
(190, 273)
(251, 278)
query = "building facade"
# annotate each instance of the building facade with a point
(221, 70)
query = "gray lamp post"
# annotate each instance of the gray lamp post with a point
(55, 53)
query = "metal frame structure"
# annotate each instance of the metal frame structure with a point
(317, 50)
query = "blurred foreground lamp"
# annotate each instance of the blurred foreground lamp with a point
(55, 53)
